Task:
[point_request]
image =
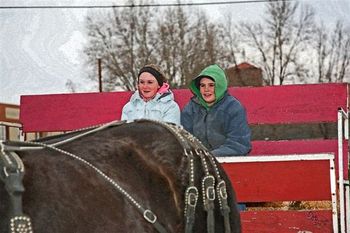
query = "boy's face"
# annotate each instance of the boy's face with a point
(207, 90)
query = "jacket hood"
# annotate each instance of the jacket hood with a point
(218, 75)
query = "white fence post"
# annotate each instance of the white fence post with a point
(342, 134)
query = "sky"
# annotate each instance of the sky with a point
(41, 49)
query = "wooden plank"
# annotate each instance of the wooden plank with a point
(310, 103)
(287, 221)
(280, 181)
(64, 112)
(265, 105)
(285, 147)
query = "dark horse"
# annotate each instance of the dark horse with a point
(143, 176)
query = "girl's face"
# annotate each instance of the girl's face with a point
(207, 90)
(147, 86)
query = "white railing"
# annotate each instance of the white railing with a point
(5, 129)
(343, 133)
(297, 157)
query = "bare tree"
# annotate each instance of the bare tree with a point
(186, 43)
(280, 40)
(182, 42)
(231, 40)
(124, 41)
(333, 53)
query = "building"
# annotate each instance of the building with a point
(244, 74)
(10, 125)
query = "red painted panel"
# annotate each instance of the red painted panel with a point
(182, 96)
(63, 112)
(286, 104)
(292, 103)
(284, 147)
(287, 221)
(265, 105)
(280, 181)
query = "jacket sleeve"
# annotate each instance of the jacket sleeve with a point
(187, 118)
(238, 136)
(124, 115)
(172, 113)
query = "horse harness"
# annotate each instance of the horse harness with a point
(12, 172)
(193, 147)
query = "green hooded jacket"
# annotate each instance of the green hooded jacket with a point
(218, 75)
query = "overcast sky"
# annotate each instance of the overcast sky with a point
(42, 48)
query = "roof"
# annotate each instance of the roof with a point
(244, 65)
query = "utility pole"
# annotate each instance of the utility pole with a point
(99, 74)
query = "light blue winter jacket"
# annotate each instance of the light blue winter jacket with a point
(162, 107)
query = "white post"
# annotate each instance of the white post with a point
(2, 132)
(341, 171)
(333, 180)
(347, 199)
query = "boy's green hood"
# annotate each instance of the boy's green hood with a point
(218, 75)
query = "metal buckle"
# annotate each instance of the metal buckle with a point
(192, 195)
(208, 187)
(150, 216)
(222, 190)
(211, 193)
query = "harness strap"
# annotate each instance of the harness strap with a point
(152, 218)
(225, 209)
(189, 143)
(11, 173)
(23, 146)
(191, 194)
(208, 201)
(147, 214)
(191, 198)
(222, 195)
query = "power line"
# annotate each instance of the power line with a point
(141, 5)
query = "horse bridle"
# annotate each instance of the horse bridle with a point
(13, 171)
